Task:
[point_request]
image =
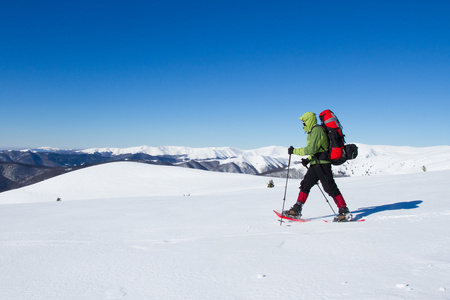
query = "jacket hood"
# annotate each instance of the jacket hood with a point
(310, 120)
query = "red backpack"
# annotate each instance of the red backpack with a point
(339, 152)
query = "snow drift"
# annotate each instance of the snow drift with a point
(138, 231)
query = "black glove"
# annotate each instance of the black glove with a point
(305, 162)
(291, 150)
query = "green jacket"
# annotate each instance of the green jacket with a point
(316, 141)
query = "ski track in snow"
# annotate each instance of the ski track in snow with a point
(223, 241)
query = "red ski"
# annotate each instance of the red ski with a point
(290, 218)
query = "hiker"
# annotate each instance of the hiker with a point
(317, 144)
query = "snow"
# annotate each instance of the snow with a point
(136, 231)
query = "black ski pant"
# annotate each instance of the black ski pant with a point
(323, 173)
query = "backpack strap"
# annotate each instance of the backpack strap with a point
(325, 155)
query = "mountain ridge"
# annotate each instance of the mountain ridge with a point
(23, 167)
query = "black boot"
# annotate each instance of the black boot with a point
(344, 215)
(344, 211)
(295, 211)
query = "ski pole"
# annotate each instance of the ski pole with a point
(285, 188)
(326, 199)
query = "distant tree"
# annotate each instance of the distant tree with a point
(424, 168)
(271, 184)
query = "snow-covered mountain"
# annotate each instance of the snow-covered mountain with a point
(127, 230)
(19, 168)
(185, 153)
(371, 160)
(247, 161)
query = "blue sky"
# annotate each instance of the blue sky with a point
(81, 74)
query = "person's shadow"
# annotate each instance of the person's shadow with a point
(367, 211)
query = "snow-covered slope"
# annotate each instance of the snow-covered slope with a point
(127, 179)
(130, 231)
